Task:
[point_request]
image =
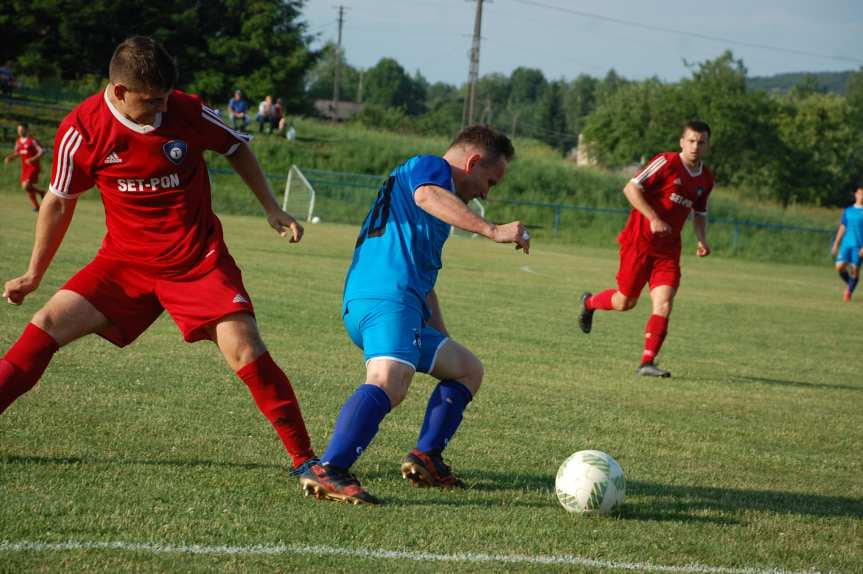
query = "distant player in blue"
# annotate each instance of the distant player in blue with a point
(391, 311)
(848, 245)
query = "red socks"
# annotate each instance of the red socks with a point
(275, 397)
(601, 301)
(23, 364)
(654, 335)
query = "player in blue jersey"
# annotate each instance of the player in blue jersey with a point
(848, 245)
(391, 311)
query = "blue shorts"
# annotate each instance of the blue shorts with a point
(849, 254)
(383, 328)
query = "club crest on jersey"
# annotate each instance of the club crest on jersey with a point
(175, 150)
(699, 191)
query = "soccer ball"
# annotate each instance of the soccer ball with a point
(316, 219)
(590, 482)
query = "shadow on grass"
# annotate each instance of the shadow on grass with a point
(657, 501)
(799, 384)
(692, 502)
(76, 460)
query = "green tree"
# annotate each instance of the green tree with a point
(258, 46)
(388, 85)
(321, 77)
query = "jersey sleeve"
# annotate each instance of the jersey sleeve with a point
(431, 170)
(653, 173)
(844, 219)
(214, 132)
(71, 172)
(700, 205)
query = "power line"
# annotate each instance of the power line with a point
(711, 38)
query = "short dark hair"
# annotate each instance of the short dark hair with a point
(24, 125)
(141, 62)
(696, 126)
(495, 144)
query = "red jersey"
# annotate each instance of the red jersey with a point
(672, 190)
(153, 180)
(26, 148)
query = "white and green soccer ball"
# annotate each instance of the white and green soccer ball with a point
(590, 482)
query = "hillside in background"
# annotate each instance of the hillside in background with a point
(832, 82)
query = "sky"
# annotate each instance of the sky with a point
(564, 38)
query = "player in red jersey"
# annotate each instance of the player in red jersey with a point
(662, 196)
(30, 151)
(141, 143)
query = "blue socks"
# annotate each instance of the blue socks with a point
(844, 275)
(852, 283)
(356, 425)
(443, 415)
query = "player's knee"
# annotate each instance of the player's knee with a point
(628, 303)
(663, 309)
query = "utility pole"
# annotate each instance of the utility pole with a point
(473, 74)
(338, 64)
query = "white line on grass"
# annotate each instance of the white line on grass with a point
(528, 269)
(569, 560)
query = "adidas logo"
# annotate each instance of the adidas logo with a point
(677, 181)
(240, 299)
(113, 158)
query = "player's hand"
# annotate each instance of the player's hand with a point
(513, 232)
(659, 228)
(703, 249)
(285, 225)
(835, 249)
(16, 289)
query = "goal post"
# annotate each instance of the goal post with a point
(299, 194)
(477, 208)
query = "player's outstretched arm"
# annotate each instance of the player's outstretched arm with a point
(55, 214)
(246, 165)
(699, 223)
(449, 208)
(840, 233)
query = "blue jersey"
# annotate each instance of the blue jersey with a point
(852, 219)
(398, 252)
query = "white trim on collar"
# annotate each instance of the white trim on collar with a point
(135, 127)
(695, 173)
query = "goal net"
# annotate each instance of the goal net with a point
(477, 208)
(299, 198)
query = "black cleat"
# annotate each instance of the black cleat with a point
(429, 469)
(326, 482)
(651, 370)
(585, 315)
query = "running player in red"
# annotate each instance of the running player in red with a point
(30, 151)
(662, 195)
(141, 143)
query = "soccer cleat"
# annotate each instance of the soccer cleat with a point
(429, 469)
(585, 315)
(651, 370)
(847, 296)
(327, 482)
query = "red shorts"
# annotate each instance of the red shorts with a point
(132, 300)
(30, 173)
(637, 268)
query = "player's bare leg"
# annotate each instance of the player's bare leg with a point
(662, 298)
(32, 191)
(239, 341)
(66, 317)
(460, 373)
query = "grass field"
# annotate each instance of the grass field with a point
(154, 458)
